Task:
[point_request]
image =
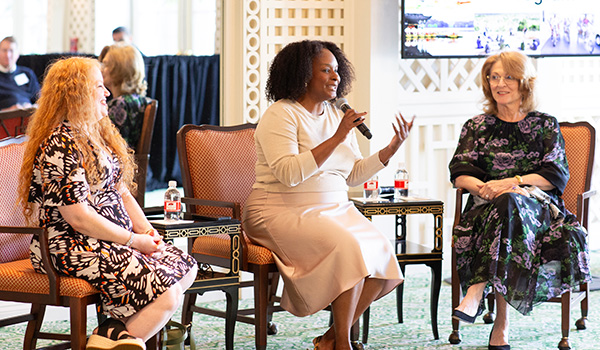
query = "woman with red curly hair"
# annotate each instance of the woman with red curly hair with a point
(76, 178)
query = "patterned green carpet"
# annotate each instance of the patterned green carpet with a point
(540, 330)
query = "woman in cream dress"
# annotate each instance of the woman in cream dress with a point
(326, 251)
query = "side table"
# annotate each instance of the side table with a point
(207, 279)
(407, 252)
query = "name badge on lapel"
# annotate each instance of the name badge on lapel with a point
(21, 79)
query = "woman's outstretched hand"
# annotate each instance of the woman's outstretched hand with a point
(401, 131)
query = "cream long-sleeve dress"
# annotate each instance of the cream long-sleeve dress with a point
(322, 245)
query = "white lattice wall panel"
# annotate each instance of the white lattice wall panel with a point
(219, 29)
(270, 25)
(439, 75)
(431, 144)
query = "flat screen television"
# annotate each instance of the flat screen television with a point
(477, 28)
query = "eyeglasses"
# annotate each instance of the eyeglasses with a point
(508, 80)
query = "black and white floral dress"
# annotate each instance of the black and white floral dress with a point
(127, 279)
(514, 242)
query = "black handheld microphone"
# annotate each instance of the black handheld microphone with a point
(342, 104)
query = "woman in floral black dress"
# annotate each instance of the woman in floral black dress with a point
(515, 234)
(125, 76)
(75, 179)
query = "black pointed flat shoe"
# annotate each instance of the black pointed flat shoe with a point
(496, 347)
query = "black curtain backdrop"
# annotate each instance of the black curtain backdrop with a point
(38, 63)
(187, 90)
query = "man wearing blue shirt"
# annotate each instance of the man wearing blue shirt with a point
(19, 86)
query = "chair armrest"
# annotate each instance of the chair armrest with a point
(582, 207)
(460, 192)
(235, 207)
(587, 194)
(42, 234)
(153, 211)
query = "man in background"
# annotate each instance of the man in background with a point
(121, 34)
(19, 86)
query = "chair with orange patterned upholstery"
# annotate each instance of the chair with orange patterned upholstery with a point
(14, 122)
(18, 281)
(580, 145)
(217, 165)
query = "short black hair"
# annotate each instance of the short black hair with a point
(291, 70)
(120, 30)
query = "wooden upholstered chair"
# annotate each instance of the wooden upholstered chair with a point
(14, 122)
(217, 167)
(580, 139)
(18, 281)
(142, 150)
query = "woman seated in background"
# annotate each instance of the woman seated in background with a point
(515, 234)
(125, 76)
(76, 177)
(326, 251)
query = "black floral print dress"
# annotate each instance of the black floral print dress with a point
(514, 242)
(127, 279)
(127, 113)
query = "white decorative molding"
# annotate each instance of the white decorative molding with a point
(271, 24)
(81, 25)
(439, 75)
(219, 27)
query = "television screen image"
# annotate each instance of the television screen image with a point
(477, 28)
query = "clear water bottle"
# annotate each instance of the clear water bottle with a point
(401, 182)
(172, 202)
(371, 188)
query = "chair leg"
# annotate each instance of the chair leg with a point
(565, 320)
(490, 316)
(154, 342)
(354, 333)
(581, 323)
(232, 294)
(261, 284)
(454, 337)
(272, 288)
(436, 284)
(399, 296)
(33, 326)
(78, 324)
(366, 320)
(187, 314)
